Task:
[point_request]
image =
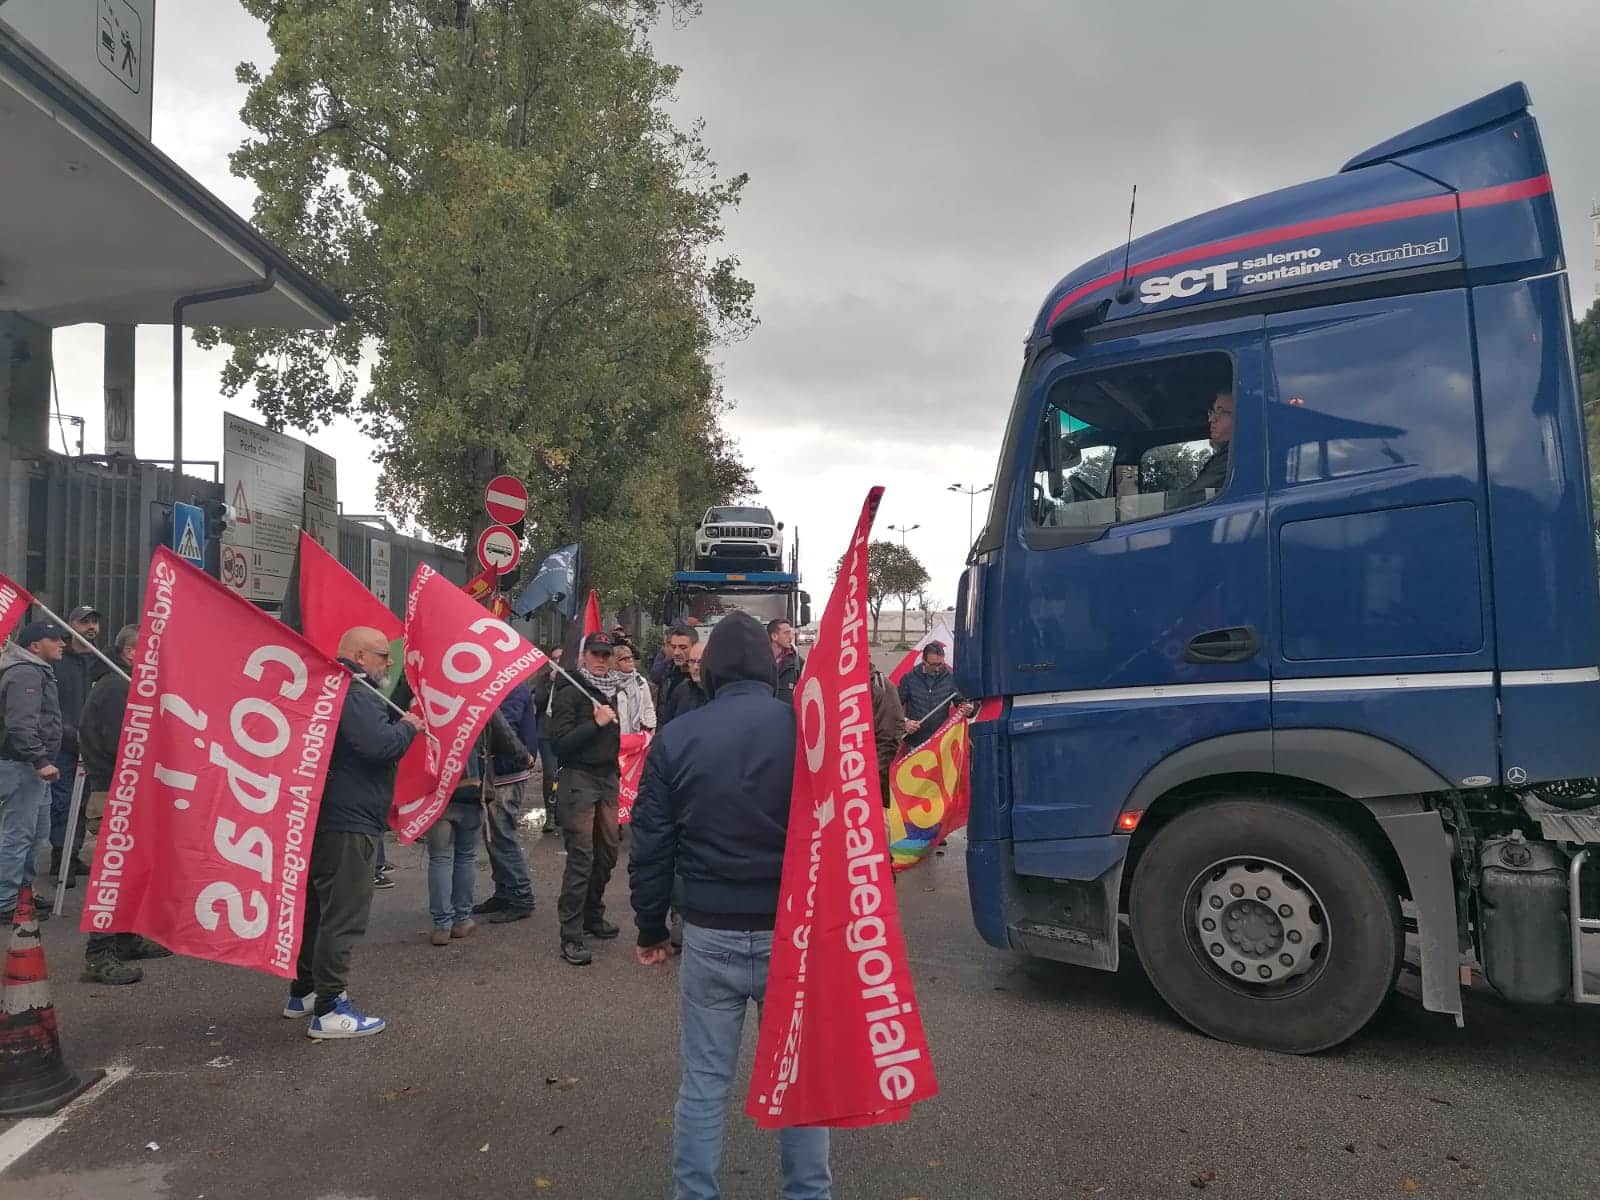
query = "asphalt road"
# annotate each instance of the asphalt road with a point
(1057, 1083)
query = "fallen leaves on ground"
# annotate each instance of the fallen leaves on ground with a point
(565, 1082)
(542, 1184)
(1203, 1178)
(400, 1093)
(1410, 1185)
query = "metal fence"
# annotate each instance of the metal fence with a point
(92, 526)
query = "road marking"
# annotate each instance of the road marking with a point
(30, 1131)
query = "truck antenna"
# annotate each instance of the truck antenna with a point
(1124, 292)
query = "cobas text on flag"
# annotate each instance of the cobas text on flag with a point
(205, 845)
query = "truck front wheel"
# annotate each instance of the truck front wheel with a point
(1267, 924)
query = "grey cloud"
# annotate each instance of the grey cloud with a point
(923, 173)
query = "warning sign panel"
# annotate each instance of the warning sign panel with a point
(277, 485)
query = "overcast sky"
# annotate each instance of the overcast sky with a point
(922, 173)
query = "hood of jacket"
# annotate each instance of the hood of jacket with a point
(739, 651)
(16, 653)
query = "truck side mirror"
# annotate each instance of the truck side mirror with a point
(1061, 453)
(780, 525)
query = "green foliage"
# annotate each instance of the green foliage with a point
(1586, 342)
(528, 245)
(1172, 468)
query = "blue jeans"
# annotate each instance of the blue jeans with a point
(61, 803)
(721, 971)
(452, 860)
(512, 881)
(24, 827)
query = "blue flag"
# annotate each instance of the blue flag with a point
(556, 579)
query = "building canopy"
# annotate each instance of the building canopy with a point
(97, 225)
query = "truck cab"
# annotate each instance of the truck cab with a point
(1286, 602)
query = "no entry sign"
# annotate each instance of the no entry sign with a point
(506, 499)
(498, 549)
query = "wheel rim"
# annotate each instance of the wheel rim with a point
(1260, 927)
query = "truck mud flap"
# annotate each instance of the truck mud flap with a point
(1420, 841)
(1062, 898)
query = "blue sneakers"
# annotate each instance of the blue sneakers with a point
(344, 1022)
(300, 1006)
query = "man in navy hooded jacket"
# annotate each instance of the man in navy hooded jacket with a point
(713, 811)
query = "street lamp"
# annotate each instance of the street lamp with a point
(971, 495)
(902, 530)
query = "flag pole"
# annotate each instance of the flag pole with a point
(90, 646)
(373, 688)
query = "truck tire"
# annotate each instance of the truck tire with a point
(1266, 924)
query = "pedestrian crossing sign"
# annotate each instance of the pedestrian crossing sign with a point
(188, 533)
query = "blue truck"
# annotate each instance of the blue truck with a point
(1286, 608)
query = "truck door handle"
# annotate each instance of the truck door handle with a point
(1237, 644)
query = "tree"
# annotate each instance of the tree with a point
(1172, 468)
(892, 570)
(1586, 342)
(526, 241)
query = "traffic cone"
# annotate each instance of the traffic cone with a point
(34, 1080)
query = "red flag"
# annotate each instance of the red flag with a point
(14, 601)
(481, 585)
(333, 601)
(841, 1038)
(591, 614)
(630, 764)
(905, 666)
(461, 663)
(500, 607)
(206, 840)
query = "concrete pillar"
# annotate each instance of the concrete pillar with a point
(24, 430)
(119, 390)
(25, 382)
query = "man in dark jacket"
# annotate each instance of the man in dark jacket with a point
(789, 661)
(30, 739)
(689, 694)
(513, 882)
(927, 692)
(76, 673)
(666, 677)
(587, 738)
(108, 956)
(1213, 475)
(888, 726)
(355, 807)
(713, 812)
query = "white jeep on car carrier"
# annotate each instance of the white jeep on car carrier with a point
(733, 538)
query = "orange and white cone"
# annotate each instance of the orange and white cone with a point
(34, 1079)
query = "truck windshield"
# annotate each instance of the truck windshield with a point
(756, 516)
(710, 607)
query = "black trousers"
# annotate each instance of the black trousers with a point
(587, 807)
(338, 900)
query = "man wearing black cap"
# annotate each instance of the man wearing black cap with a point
(30, 739)
(587, 739)
(76, 673)
(713, 813)
(927, 693)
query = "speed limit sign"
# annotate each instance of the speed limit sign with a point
(498, 549)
